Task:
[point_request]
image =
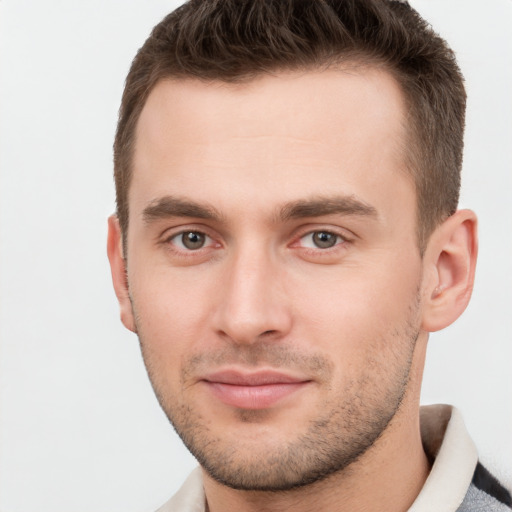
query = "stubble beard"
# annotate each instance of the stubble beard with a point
(328, 444)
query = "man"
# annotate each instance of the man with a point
(286, 236)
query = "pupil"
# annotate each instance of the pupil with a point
(324, 240)
(193, 240)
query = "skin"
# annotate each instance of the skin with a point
(245, 171)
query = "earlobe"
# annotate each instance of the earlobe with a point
(118, 270)
(450, 260)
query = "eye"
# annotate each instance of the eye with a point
(321, 240)
(190, 240)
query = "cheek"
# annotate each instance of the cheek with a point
(171, 311)
(351, 308)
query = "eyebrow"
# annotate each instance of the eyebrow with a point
(327, 205)
(170, 206)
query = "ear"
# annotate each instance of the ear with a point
(449, 263)
(118, 269)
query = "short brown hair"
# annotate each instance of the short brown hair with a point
(236, 40)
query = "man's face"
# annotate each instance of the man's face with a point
(273, 269)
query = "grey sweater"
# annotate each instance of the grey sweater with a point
(485, 494)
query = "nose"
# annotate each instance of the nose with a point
(252, 304)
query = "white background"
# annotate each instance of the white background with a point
(80, 428)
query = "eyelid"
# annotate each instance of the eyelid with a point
(178, 229)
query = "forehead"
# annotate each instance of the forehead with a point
(277, 135)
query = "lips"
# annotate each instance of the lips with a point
(258, 390)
